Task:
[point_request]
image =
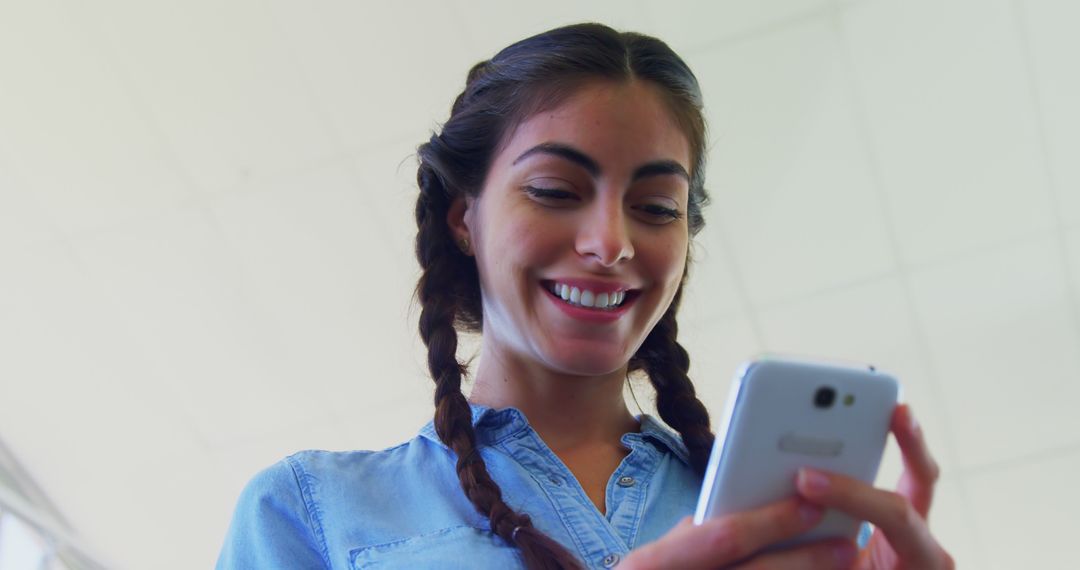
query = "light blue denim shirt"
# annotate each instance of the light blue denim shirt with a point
(404, 508)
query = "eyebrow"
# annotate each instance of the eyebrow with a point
(654, 168)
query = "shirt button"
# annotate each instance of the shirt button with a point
(626, 481)
(610, 560)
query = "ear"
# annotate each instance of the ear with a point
(457, 219)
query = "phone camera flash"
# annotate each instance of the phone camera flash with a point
(849, 399)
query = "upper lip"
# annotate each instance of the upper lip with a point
(594, 285)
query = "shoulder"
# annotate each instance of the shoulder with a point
(274, 486)
(273, 524)
(369, 501)
(316, 465)
(301, 481)
(341, 487)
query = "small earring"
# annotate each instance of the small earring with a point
(465, 246)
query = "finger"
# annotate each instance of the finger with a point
(724, 540)
(921, 471)
(892, 513)
(824, 554)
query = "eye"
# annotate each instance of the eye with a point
(550, 193)
(660, 213)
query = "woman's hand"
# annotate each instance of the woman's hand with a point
(726, 542)
(902, 538)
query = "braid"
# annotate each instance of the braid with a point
(442, 287)
(667, 363)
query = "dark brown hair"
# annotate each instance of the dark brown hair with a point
(531, 75)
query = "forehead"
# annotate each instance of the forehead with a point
(617, 123)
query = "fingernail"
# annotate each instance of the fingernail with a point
(812, 482)
(914, 422)
(844, 555)
(810, 512)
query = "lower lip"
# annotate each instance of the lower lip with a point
(591, 315)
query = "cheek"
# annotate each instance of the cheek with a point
(534, 234)
(666, 259)
(521, 246)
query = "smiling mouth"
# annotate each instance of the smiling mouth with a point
(585, 299)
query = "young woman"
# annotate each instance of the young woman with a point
(555, 213)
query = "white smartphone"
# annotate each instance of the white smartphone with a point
(783, 414)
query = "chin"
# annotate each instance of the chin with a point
(588, 363)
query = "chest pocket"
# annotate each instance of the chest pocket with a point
(456, 548)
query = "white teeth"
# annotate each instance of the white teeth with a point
(586, 298)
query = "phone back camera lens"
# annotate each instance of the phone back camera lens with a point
(824, 397)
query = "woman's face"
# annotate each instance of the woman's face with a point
(589, 196)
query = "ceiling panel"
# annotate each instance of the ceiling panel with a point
(312, 253)
(1071, 248)
(951, 121)
(175, 282)
(693, 25)
(1049, 32)
(789, 175)
(184, 502)
(717, 348)
(1004, 344)
(1025, 512)
(952, 521)
(386, 178)
(82, 411)
(377, 71)
(228, 106)
(490, 25)
(70, 133)
(23, 221)
(714, 289)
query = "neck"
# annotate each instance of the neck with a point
(568, 411)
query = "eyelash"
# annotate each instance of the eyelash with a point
(651, 209)
(548, 193)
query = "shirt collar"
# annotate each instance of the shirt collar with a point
(492, 426)
(653, 430)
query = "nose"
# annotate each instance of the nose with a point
(604, 236)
